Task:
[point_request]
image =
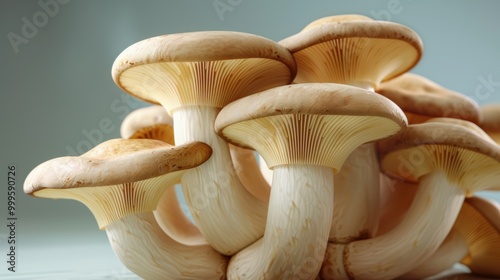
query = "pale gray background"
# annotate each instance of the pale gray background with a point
(58, 86)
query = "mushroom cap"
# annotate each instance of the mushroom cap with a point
(479, 224)
(351, 50)
(466, 124)
(309, 123)
(151, 122)
(117, 177)
(418, 95)
(209, 68)
(471, 161)
(490, 118)
(336, 18)
(144, 117)
(162, 132)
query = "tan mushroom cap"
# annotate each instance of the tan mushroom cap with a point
(490, 121)
(209, 68)
(162, 132)
(350, 50)
(118, 177)
(308, 123)
(336, 18)
(421, 96)
(145, 117)
(490, 117)
(466, 124)
(479, 224)
(458, 150)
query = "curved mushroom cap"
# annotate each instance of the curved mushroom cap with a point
(421, 96)
(466, 124)
(479, 224)
(469, 160)
(118, 177)
(209, 68)
(336, 18)
(490, 121)
(316, 124)
(162, 132)
(145, 117)
(350, 50)
(148, 123)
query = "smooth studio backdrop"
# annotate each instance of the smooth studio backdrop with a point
(58, 97)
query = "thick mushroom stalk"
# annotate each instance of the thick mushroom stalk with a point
(220, 196)
(389, 255)
(474, 241)
(194, 75)
(305, 133)
(165, 257)
(449, 162)
(358, 51)
(297, 229)
(121, 182)
(451, 251)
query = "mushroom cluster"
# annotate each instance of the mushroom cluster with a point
(316, 157)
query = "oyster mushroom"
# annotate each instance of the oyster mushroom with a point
(193, 75)
(474, 241)
(358, 51)
(304, 132)
(121, 181)
(449, 162)
(422, 99)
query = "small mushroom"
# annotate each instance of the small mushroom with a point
(151, 122)
(193, 75)
(449, 162)
(474, 241)
(304, 132)
(121, 181)
(422, 99)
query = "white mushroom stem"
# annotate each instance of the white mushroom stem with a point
(452, 251)
(298, 224)
(146, 250)
(357, 208)
(228, 216)
(357, 196)
(427, 223)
